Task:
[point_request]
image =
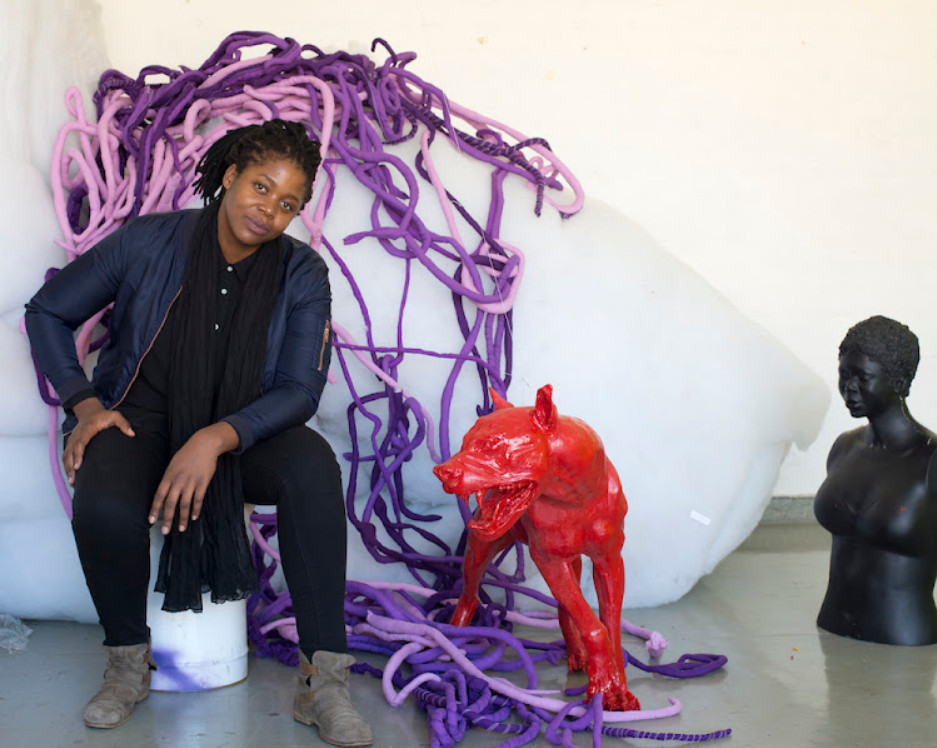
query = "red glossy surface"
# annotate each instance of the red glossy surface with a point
(544, 479)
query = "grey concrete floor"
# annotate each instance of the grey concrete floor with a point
(786, 684)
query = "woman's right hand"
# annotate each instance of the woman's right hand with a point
(93, 418)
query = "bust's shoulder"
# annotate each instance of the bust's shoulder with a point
(846, 442)
(931, 443)
(857, 437)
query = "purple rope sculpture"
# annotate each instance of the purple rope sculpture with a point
(138, 157)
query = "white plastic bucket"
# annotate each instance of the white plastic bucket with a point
(195, 651)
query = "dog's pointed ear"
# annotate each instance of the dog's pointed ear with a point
(545, 414)
(500, 402)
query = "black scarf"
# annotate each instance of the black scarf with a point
(213, 553)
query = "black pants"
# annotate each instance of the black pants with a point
(296, 470)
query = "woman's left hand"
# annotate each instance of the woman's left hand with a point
(188, 474)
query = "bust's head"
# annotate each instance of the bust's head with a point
(889, 344)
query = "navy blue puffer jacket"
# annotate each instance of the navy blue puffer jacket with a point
(139, 268)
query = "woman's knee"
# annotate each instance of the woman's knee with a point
(115, 484)
(298, 463)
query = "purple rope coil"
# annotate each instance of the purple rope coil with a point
(139, 156)
(451, 669)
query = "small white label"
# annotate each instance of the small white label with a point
(701, 518)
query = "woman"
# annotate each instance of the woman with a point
(878, 499)
(217, 355)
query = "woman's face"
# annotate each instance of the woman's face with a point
(864, 386)
(258, 204)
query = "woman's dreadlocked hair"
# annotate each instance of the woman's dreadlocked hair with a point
(251, 145)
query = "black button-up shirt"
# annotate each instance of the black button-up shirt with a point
(146, 404)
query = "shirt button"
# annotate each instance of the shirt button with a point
(216, 325)
(224, 291)
(230, 269)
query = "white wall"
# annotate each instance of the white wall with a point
(785, 149)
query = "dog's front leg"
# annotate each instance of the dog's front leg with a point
(478, 554)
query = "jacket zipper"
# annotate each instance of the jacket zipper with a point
(325, 342)
(136, 373)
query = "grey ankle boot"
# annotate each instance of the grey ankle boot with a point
(126, 682)
(322, 699)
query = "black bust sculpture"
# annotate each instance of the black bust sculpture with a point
(878, 500)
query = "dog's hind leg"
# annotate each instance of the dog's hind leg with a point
(608, 575)
(576, 656)
(606, 673)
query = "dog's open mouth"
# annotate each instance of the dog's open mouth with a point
(500, 507)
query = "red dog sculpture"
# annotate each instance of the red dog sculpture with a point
(544, 479)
